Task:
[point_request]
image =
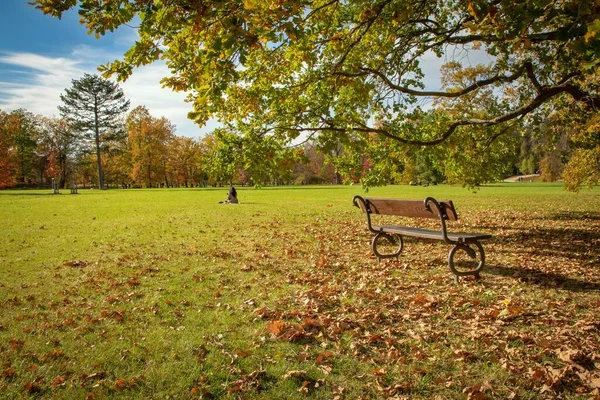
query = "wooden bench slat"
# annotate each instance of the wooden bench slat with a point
(411, 208)
(431, 234)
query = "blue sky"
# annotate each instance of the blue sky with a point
(41, 55)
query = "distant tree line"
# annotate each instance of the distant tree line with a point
(97, 143)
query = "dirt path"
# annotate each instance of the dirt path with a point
(521, 178)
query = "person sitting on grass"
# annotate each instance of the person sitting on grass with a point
(231, 197)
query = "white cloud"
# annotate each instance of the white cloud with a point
(40, 83)
(40, 80)
(143, 88)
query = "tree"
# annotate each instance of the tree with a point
(116, 161)
(94, 107)
(6, 150)
(352, 69)
(184, 159)
(57, 143)
(223, 156)
(149, 140)
(25, 135)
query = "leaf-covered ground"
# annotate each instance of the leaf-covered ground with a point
(162, 294)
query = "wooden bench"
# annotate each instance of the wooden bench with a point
(429, 208)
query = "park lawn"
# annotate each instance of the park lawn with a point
(166, 294)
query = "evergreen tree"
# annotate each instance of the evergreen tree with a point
(94, 106)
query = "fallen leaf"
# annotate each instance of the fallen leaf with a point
(296, 374)
(32, 387)
(276, 327)
(8, 373)
(58, 381)
(121, 384)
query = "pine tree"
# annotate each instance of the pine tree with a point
(94, 106)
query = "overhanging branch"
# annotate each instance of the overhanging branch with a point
(477, 85)
(544, 95)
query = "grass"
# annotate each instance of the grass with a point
(165, 293)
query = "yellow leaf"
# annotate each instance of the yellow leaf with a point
(472, 9)
(589, 35)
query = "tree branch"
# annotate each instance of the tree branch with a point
(402, 89)
(545, 94)
(532, 77)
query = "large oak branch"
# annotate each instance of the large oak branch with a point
(544, 95)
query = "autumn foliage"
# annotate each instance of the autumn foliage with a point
(6, 164)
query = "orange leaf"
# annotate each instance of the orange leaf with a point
(121, 384)
(420, 299)
(322, 261)
(32, 387)
(276, 327)
(8, 373)
(323, 357)
(59, 381)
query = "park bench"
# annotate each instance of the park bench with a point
(429, 208)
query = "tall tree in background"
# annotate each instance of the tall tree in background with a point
(6, 150)
(94, 107)
(57, 143)
(149, 140)
(26, 132)
(184, 159)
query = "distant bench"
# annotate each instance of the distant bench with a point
(429, 208)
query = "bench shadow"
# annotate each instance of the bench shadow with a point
(572, 243)
(548, 280)
(569, 239)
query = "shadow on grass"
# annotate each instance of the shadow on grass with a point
(572, 236)
(571, 243)
(576, 216)
(308, 187)
(544, 279)
(28, 194)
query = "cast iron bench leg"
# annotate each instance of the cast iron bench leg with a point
(471, 253)
(392, 239)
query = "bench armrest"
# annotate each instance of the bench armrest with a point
(431, 202)
(363, 204)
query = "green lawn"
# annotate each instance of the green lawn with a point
(167, 294)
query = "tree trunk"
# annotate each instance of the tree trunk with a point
(63, 171)
(165, 173)
(338, 178)
(98, 155)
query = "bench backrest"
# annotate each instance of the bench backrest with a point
(408, 208)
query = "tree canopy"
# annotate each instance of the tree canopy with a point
(351, 73)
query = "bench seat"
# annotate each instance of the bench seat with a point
(462, 237)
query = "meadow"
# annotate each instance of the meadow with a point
(164, 293)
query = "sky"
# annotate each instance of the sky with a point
(41, 55)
